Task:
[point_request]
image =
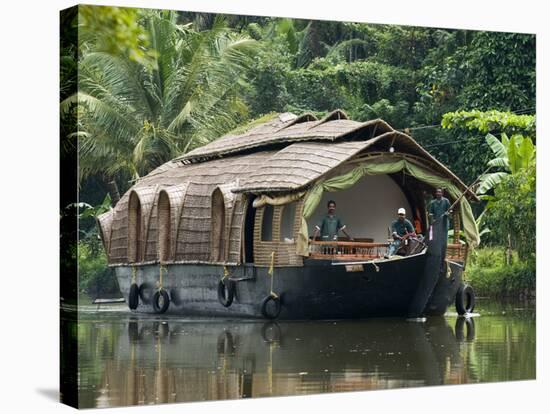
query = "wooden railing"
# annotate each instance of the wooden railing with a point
(353, 250)
(457, 251)
(346, 250)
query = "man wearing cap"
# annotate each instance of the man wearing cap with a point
(401, 228)
(330, 225)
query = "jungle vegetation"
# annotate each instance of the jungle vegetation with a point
(154, 84)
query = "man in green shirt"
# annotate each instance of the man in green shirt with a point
(438, 209)
(438, 215)
(330, 225)
(401, 229)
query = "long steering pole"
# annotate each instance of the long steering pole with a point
(462, 195)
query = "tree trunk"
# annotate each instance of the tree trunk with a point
(509, 250)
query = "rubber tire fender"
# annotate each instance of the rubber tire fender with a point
(226, 300)
(465, 300)
(142, 288)
(133, 296)
(470, 329)
(277, 301)
(166, 301)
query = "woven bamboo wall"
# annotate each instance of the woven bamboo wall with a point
(229, 199)
(118, 252)
(176, 194)
(236, 229)
(285, 253)
(218, 227)
(105, 225)
(146, 239)
(151, 234)
(165, 233)
(194, 228)
(135, 228)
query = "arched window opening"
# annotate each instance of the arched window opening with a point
(218, 236)
(267, 223)
(287, 222)
(164, 227)
(135, 231)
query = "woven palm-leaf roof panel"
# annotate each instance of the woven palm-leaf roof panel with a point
(279, 133)
(299, 164)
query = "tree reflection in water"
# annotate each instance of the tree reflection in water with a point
(145, 360)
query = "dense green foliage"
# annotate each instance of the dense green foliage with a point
(410, 76)
(488, 272)
(115, 30)
(512, 211)
(489, 121)
(509, 187)
(155, 84)
(95, 279)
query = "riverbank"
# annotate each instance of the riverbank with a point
(490, 275)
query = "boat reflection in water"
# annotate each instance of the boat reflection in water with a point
(164, 361)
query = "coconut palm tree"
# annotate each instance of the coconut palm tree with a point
(133, 115)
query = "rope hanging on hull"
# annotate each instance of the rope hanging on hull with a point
(162, 269)
(271, 272)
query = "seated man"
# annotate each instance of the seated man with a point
(330, 225)
(401, 229)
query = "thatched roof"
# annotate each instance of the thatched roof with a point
(298, 165)
(287, 128)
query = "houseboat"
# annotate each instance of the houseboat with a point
(225, 229)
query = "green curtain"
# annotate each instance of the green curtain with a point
(384, 166)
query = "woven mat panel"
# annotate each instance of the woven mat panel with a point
(218, 233)
(148, 197)
(165, 223)
(298, 164)
(331, 127)
(235, 230)
(134, 236)
(194, 228)
(105, 225)
(118, 252)
(176, 196)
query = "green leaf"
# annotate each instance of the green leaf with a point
(501, 162)
(490, 181)
(526, 152)
(514, 159)
(499, 148)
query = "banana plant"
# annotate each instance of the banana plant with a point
(511, 155)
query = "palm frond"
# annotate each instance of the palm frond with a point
(120, 78)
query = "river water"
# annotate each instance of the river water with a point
(128, 359)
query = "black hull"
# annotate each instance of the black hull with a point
(408, 287)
